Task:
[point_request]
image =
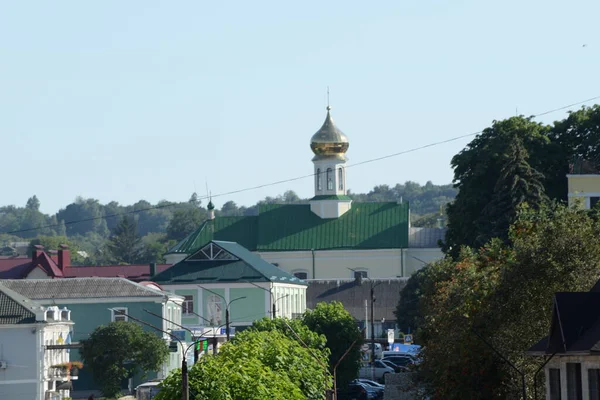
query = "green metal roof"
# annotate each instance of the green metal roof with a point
(241, 230)
(289, 227)
(14, 308)
(220, 261)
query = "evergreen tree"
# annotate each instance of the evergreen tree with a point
(123, 244)
(518, 183)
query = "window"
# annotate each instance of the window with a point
(188, 304)
(593, 201)
(340, 179)
(360, 274)
(574, 391)
(329, 179)
(554, 375)
(594, 383)
(117, 314)
(301, 275)
(319, 183)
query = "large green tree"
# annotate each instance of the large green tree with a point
(340, 329)
(478, 168)
(257, 365)
(118, 351)
(518, 183)
(124, 242)
(502, 293)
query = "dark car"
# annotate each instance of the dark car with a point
(359, 391)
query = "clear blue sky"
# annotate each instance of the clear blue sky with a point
(129, 100)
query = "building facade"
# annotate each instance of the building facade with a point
(32, 364)
(96, 301)
(223, 279)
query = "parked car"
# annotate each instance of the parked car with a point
(379, 371)
(401, 360)
(397, 368)
(369, 382)
(359, 391)
(147, 391)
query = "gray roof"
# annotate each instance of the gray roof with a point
(353, 294)
(425, 237)
(78, 288)
(15, 308)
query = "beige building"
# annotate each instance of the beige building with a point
(331, 236)
(584, 189)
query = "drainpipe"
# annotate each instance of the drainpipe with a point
(313, 263)
(402, 262)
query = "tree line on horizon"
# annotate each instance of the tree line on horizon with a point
(142, 232)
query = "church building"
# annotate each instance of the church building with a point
(331, 237)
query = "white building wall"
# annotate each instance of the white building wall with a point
(586, 361)
(19, 348)
(335, 264)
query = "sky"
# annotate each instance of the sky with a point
(130, 100)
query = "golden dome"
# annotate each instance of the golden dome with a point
(329, 140)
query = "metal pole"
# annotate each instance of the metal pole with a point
(274, 311)
(184, 380)
(227, 322)
(372, 334)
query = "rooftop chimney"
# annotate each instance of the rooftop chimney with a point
(64, 257)
(152, 269)
(37, 250)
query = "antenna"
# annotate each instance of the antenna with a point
(328, 106)
(206, 182)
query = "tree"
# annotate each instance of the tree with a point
(124, 242)
(33, 203)
(311, 339)
(340, 329)
(194, 200)
(184, 222)
(503, 293)
(254, 365)
(119, 350)
(517, 184)
(229, 209)
(477, 170)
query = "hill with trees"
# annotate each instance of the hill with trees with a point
(100, 234)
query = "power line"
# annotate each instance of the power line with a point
(289, 179)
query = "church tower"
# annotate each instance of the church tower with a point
(329, 145)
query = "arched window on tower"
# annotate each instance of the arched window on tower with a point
(340, 179)
(319, 183)
(329, 179)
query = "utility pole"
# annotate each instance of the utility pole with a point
(270, 291)
(372, 333)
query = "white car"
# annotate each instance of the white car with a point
(378, 369)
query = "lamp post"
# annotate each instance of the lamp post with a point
(270, 291)
(227, 304)
(185, 389)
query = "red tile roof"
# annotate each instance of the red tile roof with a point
(19, 267)
(136, 273)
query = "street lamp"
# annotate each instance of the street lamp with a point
(227, 304)
(181, 326)
(185, 390)
(274, 308)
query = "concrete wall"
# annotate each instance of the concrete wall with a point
(20, 349)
